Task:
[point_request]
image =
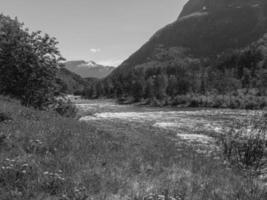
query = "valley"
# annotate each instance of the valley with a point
(184, 117)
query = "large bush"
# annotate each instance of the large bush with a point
(65, 108)
(245, 146)
(28, 64)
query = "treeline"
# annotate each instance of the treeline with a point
(237, 79)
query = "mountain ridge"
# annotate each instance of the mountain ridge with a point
(88, 69)
(221, 26)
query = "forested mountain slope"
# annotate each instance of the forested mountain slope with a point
(70, 82)
(214, 47)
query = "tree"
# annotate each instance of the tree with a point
(28, 64)
(161, 85)
(149, 91)
(137, 90)
(262, 81)
(137, 86)
(172, 87)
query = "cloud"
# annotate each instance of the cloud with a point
(93, 50)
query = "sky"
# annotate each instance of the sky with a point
(105, 31)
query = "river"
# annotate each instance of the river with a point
(199, 127)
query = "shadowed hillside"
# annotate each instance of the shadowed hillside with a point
(70, 82)
(207, 28)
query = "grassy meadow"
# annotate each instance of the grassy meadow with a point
(44, 156)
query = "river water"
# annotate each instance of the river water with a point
(198, 127)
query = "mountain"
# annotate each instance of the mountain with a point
(204, 28)
(70, 82)
(214, 48)
(88, 69)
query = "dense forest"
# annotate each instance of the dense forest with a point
(236, 79)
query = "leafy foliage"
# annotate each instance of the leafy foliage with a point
(28, 64)
(65, 108)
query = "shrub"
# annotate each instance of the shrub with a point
(181, 100)
(245, 146)
(65, 108)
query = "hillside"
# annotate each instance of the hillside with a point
(70, 82)
(88, 69)
(214, 48)
(206, 29)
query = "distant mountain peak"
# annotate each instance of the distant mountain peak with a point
(87, 64)
(88, 69)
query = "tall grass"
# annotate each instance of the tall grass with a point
(44, 155)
